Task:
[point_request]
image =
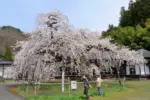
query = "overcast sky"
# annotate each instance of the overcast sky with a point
(91, 14)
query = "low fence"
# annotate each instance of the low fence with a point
(36, 86)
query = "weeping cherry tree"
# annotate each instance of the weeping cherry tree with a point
(54, 44)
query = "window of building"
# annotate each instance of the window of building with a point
(94, 72)
(132, 71)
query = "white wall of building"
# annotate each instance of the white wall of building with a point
(142, 70)
(7, 71)
(127, 70)
(147, 70)
(137, 69)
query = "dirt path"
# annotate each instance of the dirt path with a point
(6, 95)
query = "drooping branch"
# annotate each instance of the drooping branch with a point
(44, 53)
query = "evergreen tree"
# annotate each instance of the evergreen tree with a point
(137, 13)
(8, 56)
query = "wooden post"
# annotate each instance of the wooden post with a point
(69, 85)
(124, 79)
(118, 74)
(63, 76)
(35, 89)
(39, 85)
(27, 89)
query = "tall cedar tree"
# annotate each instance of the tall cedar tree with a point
(137, 13)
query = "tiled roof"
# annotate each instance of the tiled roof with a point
(6, 62)
(144, 52)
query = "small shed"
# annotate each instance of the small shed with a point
(5, 69)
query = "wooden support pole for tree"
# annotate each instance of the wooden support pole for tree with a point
(63, 77)
(69, 85)
(27, 88)
(35, 89)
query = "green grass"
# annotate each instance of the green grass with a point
(6, 81)
(133, 90)
(57, 97)
(54, 91)
(136, 90)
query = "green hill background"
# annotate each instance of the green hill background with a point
(9, 36)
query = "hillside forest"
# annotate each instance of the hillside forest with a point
(133, 30)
